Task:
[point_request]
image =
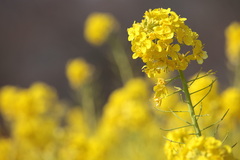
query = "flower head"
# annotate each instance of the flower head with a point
(77, 72)
(232, 34)
(160, 91)
(159, 39)
(184, 146)
(98, 27)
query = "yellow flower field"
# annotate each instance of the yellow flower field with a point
(162, 115)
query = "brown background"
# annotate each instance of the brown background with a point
(37, 37)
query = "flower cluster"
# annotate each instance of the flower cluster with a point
(98, 27)
(31, 118)
(125, 101)
(39, 95)
(232, 34)
(183, 146)
(160, 91)
(230, 99)
(159, 40)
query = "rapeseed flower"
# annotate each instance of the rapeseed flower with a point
(181, 145)
(20, 103)
(176, 140)
(98, 27)
(78, 71)
(160, 91)
(159, 40)
(5, 148)
(230, 99)
(126, 107)
(205, 148)
(232, 34)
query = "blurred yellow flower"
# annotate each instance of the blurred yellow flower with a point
(5, 149)
(232, 34)
(206, 89)
(78, 71)
(127, 106)
(30, 131)
(17, 103)
(98, 27)
(230, 99)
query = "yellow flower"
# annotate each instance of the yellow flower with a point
(176, 141)
(232, 34)
(230, 99)
(158, 40)
(206, 148)
(183, 146)
(160, 91)
(98, 27)
(30, 131)
(17, 103)
(127, 106)
(5, 149)
(77, 71)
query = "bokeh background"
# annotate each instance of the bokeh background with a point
(38, 37)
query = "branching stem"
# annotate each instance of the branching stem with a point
(190, 105)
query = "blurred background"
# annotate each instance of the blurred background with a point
(38, 37)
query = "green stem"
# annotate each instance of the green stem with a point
(88, 105)
(189, 102)
(121, 60)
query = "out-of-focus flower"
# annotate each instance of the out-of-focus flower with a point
(5, 149)
(232, 34)
(29, 131)
(230, 99)
(204, 82)
(98, 27)
(204, 92)
(75, 141)
(183, 146)
(158, 40)
(17, 103)
(78, 71)
(127, 107)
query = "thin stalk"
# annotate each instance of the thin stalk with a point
(121, 60)
(190, 105)
(88, 105)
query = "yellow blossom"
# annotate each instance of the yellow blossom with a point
(232, 34)
(29, 131)
(160, 91)
(230, 99)
(127, 107)
(205, 148)
(77, 71)
(5, 149)
(176, 140)
(17, 103)
(182, 146)
(158, 40)
(98, 27)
